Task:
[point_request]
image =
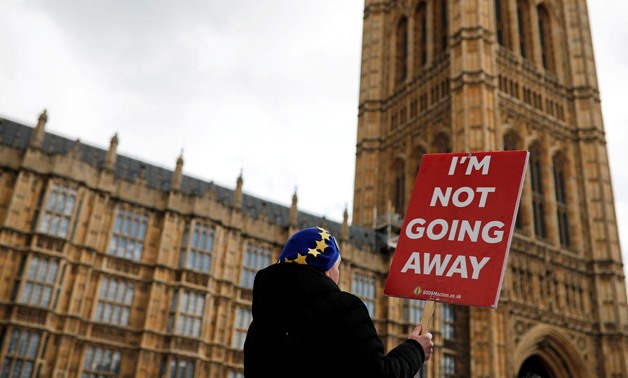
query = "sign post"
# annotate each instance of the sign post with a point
(456, 234)
(426, 317)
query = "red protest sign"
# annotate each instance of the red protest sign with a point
(456, 233)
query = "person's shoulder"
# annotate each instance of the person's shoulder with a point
(344, 299)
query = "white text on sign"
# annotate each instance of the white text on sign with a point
(440, 267)
(460, 230)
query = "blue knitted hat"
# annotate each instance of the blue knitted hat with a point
(313, 246)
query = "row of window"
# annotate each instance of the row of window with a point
(539, 206)
(129, 231)
(437, 33)
(127, 241)
(114, 301)
(24, 345)
(532, 98)
(527, 16)
(115, 298)
(99, 362)
(527, 19)
(398, 117)
(528, 285)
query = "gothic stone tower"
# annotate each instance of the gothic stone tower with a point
(479, 75)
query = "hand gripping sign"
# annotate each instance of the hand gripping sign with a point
(456, 233)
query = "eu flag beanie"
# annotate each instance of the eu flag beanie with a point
(314, 247)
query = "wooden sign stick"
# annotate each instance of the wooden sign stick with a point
(426, 318)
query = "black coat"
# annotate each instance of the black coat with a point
(305, 326)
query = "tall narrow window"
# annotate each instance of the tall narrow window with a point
(21, 353)
(523, 19)
(186, 313)
(444, 25)
(58, 211)
(101, 362)
(128, 236)
(511, 141)
(561, 201)
(242, 322)
(448, 321)
(114, 302)
(364, 287)
(255, 258)
(449, 366)
(196, 249)
(39, 283)
(538, 202)
(440, 27)
(401, 66)
(400, 188)
(545, 31)
(420, 36)
(501, 23)
(441, 143)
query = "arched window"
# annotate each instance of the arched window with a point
(511, 141)
(440, 26)
(538, 202)
(420, 36)
(441, 143)
(545, 36)
(558, 166)
(523, 20)
(400, 189)
(501, 23)
(401, 48)
(418, 157)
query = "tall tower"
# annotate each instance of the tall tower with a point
(481, 75)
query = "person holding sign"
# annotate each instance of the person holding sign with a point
(305, 326)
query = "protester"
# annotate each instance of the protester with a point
(305, 326)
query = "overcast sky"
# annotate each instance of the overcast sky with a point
(269, 89)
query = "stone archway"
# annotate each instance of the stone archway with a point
(547, 352)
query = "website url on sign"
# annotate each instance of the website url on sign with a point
(432, 293)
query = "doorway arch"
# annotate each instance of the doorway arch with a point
(547, 352)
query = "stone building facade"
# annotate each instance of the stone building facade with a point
(111, 266)
(114, 267)
(478, 75)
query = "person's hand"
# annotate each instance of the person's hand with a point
(425, 340)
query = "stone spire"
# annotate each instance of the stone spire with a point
(75, 151)
(237, 194)
(110, 158)
(141, 175)
(38, 134)
(178, 173)
(293, 209)
(344, 231)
